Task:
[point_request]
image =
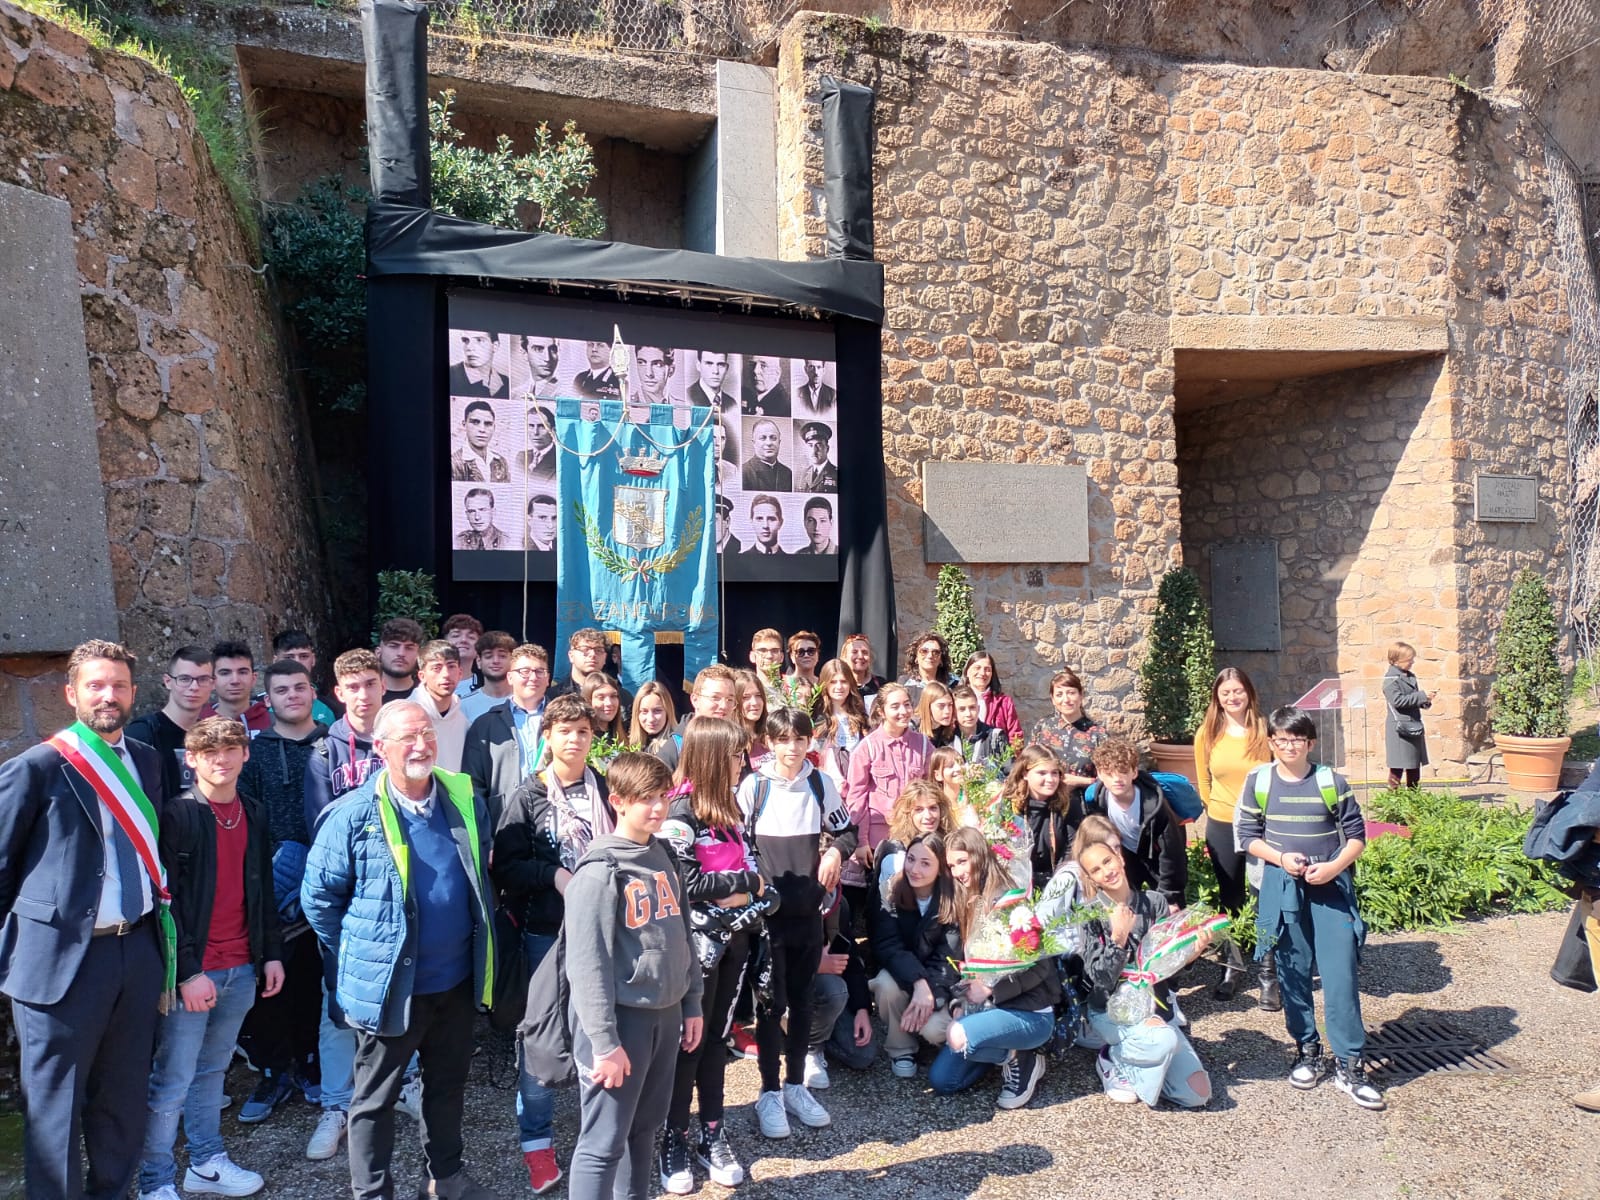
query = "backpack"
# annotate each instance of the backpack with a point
(1263, 782)
(546, 1029)
(1182, 796)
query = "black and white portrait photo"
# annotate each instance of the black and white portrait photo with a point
(541, 522)
(816, 471)
(474, 459)
(765, 394)
(713, 373)
(763, 470)
(766, 526)
(475, 525)
(473, 371)
(726, 542)
(817, 517)
(537, 460)
(598, 381)
(653, 370)
(814, 395)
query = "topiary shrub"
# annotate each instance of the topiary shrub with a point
(1175, 677)
(1530, 696)
(956, 618)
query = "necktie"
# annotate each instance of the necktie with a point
(129, 868)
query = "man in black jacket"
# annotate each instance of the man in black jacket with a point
(83, 945)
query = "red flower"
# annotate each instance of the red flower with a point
(814, 757)
(1002, 852)
(1025, 939)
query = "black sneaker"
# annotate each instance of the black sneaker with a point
(677, 1167)
(717, 1157)
(1350, 1077)
(1308, 1068)
(1019, 1076)
(275, 1088)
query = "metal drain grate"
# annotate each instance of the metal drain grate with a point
(1413, 1046)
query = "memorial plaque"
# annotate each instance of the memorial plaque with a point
(55, 565)
(1244, 595)
(1004, 513)
(1507, 498)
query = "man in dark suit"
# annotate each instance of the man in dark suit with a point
(767, 397)
(726, 542)
(712, 366)
(813, 397)
(81, 942)
(503, 745)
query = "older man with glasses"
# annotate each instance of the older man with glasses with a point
(397, 880)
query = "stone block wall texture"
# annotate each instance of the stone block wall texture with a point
(1042, 213)
(202, 451)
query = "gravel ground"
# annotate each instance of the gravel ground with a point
(1467, 1136)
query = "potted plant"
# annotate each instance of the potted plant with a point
(1175, 678)
(1530, 696)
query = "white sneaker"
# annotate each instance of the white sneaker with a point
(817, 1070)
(165, 1192)
(410, 1101)
(771, 1115)
(221, 1176)
(904, 1068)
(328, 1134)
(1178, 1019)
(804, 1105)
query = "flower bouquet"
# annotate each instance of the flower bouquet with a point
(783, 692)
(1002, 822)
(1167, 947)
(1011, 937)
(603, 749)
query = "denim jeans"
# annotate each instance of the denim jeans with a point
(191, 1058)
(833, 1024)
(535, 1104)
(336, 1051)
(1156, 1060)
(1319, 933)
(991, 1036)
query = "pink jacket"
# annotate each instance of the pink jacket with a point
(1002, 715)
(880, 768)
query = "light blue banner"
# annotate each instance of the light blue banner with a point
(637, 552)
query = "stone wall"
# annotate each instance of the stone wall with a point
(202, 451)
(1043, 214)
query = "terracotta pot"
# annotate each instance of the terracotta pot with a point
(1532, 764)
(1176, 758)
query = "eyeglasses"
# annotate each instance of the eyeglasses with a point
(529, 672)
(1289, 743)
(929, 652)
(426, 736)
(191, 680)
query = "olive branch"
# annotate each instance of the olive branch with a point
(630, 567)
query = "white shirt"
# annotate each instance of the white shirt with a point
(450, 728)
(110, 911)
(479, 703)
(1126, 819)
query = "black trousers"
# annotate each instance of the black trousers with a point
(705, 1066)
(440, 1034)
(794, 966)
(86, 1070)
(280, 1032)
(1229, 865)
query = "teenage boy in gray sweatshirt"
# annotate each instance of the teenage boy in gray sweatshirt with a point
(635, 987)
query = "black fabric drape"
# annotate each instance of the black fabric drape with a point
(847, 167)
(396, 36)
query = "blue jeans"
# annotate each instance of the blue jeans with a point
(191, 1059)
(535, 1104)
(1318, 931)
(991, 1037)
(1156, 1060)
(833, 1024)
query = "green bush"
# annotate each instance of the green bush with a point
(1530, 697)
(406, 594)
(1175, 677)
(956, 619)
(1462, 859)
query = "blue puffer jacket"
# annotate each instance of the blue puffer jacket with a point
(355, 898)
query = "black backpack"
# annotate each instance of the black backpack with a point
(546, 1029)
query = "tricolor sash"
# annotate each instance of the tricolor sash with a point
(102, 769)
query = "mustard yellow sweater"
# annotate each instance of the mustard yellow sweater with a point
(1222, 769)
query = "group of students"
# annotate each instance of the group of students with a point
(797, 853)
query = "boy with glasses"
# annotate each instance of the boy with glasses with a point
(188, 679)
(766, 656)
(504, 745)
(1300, 821)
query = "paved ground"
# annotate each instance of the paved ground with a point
(1471, 1137)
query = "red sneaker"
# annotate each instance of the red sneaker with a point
(743, 1042)
(543, 1171)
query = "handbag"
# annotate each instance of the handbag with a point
(1574, 965)
(1406, 727)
